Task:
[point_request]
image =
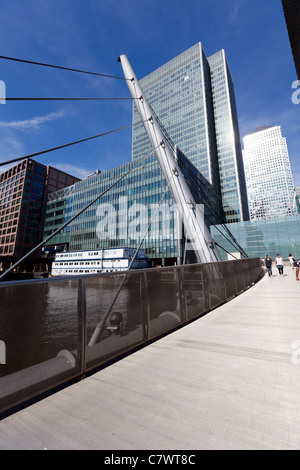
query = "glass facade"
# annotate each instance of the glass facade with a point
(268, 174)
(261, 237)
(296, 200)
(180, 94)
(193, 98)
(230, 161)
(59, 211)
(120, 218)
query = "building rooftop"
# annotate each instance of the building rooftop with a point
(260, 129)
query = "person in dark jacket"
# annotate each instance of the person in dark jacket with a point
(297, 269)
(268, 264)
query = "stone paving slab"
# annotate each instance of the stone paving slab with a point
(230, 380)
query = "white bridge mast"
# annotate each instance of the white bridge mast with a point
(190, 213)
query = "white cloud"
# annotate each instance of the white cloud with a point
(73, 170)
(234, 15)
(10, 147)
(33, 123)
(287, 119)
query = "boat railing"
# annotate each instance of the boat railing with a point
(150, 303)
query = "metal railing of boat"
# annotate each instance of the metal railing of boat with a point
(150, 303)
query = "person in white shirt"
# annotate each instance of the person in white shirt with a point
(292, 260)
(279, 264)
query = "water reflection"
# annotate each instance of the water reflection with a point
(39, 320)
(36, 321)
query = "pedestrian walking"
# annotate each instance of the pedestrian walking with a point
(297, 270)
(268, 264)
(279, 264)
(292, 260)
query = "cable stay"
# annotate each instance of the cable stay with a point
(65, 99)
(64, 146)
(222, 248)
(233, 240)
(60, 67)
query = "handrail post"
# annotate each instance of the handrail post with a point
(181, 292)
(82, 326)
(146, 304)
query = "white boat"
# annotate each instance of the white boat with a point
(97, 261)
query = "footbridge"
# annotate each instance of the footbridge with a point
(229, 379)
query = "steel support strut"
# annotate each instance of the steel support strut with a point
(190, 213)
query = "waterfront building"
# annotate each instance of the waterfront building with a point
(259, 238)
(193, 98)
(58, 212)
(291, 10)
(120, 218)
(23, 192)
(268, 174)
(230, 160)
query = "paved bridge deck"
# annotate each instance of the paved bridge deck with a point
(230, 380)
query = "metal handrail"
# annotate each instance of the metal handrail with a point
(184, 292)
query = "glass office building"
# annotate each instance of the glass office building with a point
(261, 237)
(120, 218)
(230, 160)
(193, 98)
(268, 174)
(58, 212)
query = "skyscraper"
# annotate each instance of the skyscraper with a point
(193, 98)
(268, 174)
(229, 151)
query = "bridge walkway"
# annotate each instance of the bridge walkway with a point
(230, 380)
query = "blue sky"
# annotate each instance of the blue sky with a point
(92, 34)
